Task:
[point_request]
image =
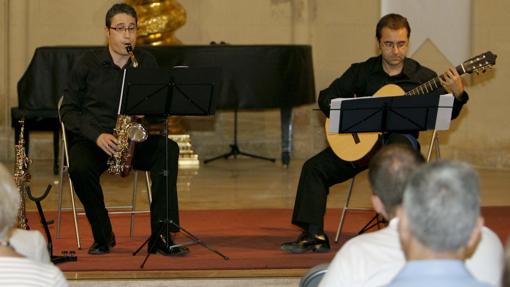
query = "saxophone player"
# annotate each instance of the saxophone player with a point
(89, 112)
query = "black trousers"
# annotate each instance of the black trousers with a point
(87, 162)
(322, 171)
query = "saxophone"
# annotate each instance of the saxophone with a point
(22, 177)
(128, 131)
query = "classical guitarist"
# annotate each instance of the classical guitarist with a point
(362, 79)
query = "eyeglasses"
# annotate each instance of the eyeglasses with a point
(391, 45)
(120, 29)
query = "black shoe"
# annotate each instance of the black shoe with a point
(307, 242)
(98, 249)
(167, 248)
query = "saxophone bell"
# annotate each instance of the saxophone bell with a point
(136, 132)
(134, 62)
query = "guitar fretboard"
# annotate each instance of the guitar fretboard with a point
(431, 85)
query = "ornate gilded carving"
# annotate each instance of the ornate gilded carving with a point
(158, 20)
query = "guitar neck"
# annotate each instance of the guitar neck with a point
(431, 85)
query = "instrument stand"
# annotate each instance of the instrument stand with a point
(375, 221)
(66, 256)
(162, 93)
(154, 237)
(234, 148)
(163, 230)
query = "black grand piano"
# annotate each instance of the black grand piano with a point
(254, 77)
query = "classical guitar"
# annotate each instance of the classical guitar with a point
(355, 146)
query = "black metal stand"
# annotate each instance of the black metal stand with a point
(375, 221)
(154, 237)
(234, 148)
(162, 93)
(163, 230)
(66, 256)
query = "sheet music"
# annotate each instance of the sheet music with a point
(444, 112)
(335, 113)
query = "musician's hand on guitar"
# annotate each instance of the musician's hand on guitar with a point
(452, 82)
(108, 143)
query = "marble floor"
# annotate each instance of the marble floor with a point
(241, 183)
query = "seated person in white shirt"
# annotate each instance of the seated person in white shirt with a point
(373, 259)
(16, 269)
(31, 244)
(506, 272)
(439, 226)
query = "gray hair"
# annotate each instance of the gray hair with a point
(9, 202)
(442, 202)
(389, 171)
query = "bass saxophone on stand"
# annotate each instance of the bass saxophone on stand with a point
(21, 177)
(128, 131)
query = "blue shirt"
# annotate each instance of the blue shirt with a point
(437, 273)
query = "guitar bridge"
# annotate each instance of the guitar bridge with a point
(356, 138)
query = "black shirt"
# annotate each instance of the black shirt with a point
(91, 96)
(366, 78)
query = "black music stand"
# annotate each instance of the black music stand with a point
(162, 93)
(390, 114)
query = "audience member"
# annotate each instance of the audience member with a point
(373, 259)
(506, 272)
(15, 269)
(31, 244)
(439, 226)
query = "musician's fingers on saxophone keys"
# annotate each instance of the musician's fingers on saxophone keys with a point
(107, 149)
(106, 143)
(111, 146)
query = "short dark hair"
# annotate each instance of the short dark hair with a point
(389, 171)
(394, 22)
(119, 8)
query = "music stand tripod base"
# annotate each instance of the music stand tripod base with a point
(194, 240)
(234, 148)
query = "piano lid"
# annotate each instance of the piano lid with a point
(254, 76)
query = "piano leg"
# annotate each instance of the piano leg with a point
(286, 126)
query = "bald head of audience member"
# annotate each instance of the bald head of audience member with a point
(440, 215)
(388, 173)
